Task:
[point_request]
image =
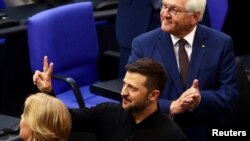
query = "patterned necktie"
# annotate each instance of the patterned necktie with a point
(183, 62)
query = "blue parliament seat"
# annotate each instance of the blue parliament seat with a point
(67, 35)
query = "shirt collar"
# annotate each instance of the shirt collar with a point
(147, 120)
(189, 37)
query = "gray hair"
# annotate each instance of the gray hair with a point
(196, 6)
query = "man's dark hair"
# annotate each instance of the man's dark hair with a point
(153, 70)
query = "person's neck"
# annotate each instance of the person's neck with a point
(186, 32)
(140, 116)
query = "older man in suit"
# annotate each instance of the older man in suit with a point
(210, 60)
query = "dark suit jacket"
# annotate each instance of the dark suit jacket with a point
(212, 63)
(132, 19)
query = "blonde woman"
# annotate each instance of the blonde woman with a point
(45, 118)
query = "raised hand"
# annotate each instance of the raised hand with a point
(43, 79)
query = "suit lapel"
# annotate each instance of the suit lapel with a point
(166, 49)
(198, 52)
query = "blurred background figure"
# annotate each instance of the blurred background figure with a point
(134, 17)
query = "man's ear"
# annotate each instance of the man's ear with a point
(195, 18)
(155, 94)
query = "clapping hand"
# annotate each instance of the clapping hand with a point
(187, 101)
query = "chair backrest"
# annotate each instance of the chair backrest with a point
(67, 35)
(2, 4)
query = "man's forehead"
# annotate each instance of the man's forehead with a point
(134, 78)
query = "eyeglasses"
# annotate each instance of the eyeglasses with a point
(173, 11)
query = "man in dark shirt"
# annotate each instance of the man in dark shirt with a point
(136, 118)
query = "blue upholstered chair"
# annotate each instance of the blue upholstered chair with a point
(67, 35)
(2, 4)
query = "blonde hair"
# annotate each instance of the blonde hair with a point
(47, 117)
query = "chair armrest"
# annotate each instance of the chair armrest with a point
(74, 87)
(106, 5)
(9, 23)
(112, 53)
